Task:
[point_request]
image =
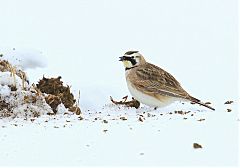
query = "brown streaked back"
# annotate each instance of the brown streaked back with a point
(153, 80)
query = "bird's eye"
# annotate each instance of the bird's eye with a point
(132, 57)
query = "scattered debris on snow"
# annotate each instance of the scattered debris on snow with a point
(132, 103)
(208, 103)
(105, 121)
(105, 131)
(197, 146)
(182, 112)
(228, 102)
(141, 119)
(123, 118)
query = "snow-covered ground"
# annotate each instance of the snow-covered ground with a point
(196, 41)
(104, 138)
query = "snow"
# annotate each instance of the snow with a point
(61, 109)
(6, 78)
(18, 98)
(5, 90)
(83, 43)
(65, 140)
(25, 58)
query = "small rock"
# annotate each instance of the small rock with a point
(80, 118)
(75, 109)
(197, 146)
(105, 121)
(123, 118)
(140, 119)
(228, 102)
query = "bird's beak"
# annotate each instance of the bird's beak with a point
(122, 58)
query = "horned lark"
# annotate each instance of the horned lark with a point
(152, 85)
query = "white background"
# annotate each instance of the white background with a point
(195, 40)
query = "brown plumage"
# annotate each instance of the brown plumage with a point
(154, 81)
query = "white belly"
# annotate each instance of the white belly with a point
(149, 100)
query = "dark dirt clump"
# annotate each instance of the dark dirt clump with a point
(75, 109)
(53, 102)
(182, 112)
(3, 105)
(228, 102)
(57, 94)
(197, 146)
(5, 109)
(105, 121)
(123, 118)
(140, 119)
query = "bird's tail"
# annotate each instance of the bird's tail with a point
(197, 101)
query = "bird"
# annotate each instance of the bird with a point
(151, 85)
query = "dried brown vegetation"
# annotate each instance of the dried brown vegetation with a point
(132, 103)
(57, 94)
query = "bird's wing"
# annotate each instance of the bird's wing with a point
(153, 81)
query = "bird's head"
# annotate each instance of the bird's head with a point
(132, 59)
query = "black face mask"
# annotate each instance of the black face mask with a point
(131, 59)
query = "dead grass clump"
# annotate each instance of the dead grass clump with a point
(53, 102)
(132, 103)
(5, 66)
(57, 94)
